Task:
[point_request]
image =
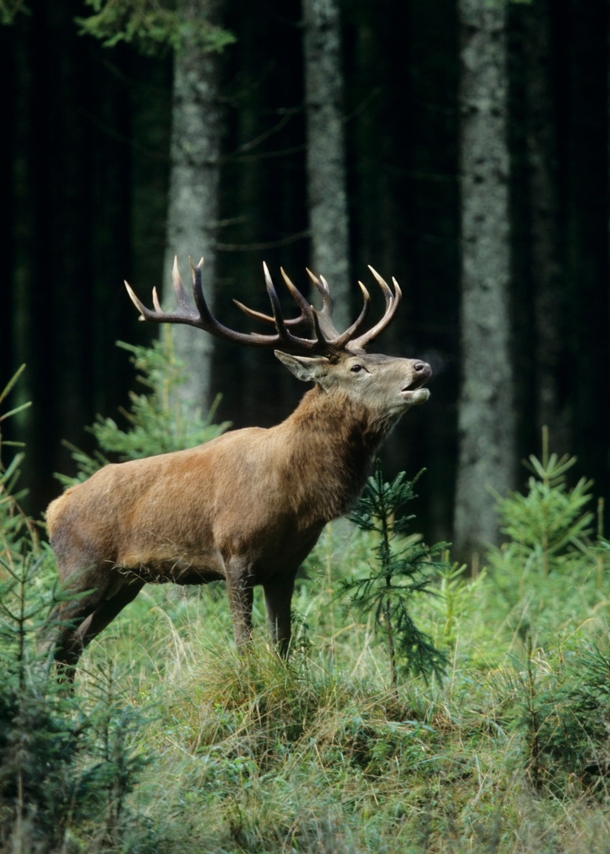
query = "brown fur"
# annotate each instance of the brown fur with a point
(246, 507)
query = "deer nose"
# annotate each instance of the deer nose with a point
(423, 369)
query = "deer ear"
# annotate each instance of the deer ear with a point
(305, 368)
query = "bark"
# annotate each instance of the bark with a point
(328, 214)
(194, 188)
(486, 418)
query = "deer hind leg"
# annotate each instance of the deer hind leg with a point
(87, 617)
(278, 599)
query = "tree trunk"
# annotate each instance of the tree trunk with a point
(486, 418)
(544, 205)
(328, 216)
(194, 187)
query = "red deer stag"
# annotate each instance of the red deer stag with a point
(249, 506)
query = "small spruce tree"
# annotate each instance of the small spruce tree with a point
(403, 567)
(152, 26)
(549, 525)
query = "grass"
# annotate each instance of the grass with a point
(321, 753)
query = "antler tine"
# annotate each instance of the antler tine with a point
(338, 340)
(257, 315)
(185, 314)
(325, 314)
(209, 323)
(139, 305)
(206, 318)
(156, 300)
(203, 318)
(392, 301)
(345, 339)
(387, 291)
(278, 317)
(305, 315)
(180, 293)
(286, 338)
(306, 310)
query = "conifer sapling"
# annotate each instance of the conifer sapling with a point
(403, 567)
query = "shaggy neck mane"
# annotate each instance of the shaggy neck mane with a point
(330, 444)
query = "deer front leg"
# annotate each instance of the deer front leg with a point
(239, 589)
(278, 598)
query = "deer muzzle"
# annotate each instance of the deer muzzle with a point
(413, 392)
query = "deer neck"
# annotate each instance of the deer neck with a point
(330, 445)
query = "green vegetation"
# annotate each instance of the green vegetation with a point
(174, 743)
(150, 25)
(403, 567)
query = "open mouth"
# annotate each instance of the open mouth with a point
(414, 393)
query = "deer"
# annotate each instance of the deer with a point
(248, 506)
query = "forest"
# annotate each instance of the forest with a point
(480, 184)
(447, 683)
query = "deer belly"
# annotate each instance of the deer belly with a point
(161, 567)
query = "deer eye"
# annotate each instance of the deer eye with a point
(356, 368)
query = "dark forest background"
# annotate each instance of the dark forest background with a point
(84, 183)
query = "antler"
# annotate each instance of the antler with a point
(327, 338)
